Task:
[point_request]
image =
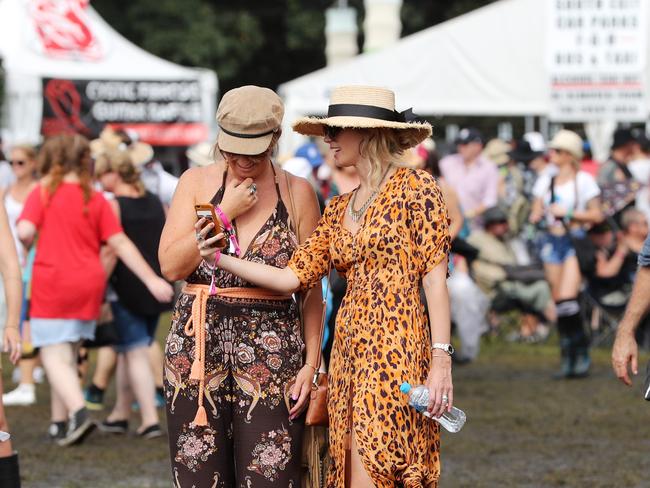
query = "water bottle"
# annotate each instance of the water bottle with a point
(419, 399)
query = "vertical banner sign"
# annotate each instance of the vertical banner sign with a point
(162, 113)
(596, 57)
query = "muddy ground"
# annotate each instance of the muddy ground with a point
(524, 429)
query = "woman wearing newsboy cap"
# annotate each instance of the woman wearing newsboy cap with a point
(387, 237)
(236, 380)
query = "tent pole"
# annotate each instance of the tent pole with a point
(543, 126)
(529, 123)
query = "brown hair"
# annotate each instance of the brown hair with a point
(383, 146)
(64, 154)
(119, 162)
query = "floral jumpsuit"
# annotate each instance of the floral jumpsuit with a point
(254, 349)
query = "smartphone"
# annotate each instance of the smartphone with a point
(206, 211)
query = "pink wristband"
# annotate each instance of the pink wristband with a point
(224, 218)
(213, 286)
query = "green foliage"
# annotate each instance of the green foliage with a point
(265, 42)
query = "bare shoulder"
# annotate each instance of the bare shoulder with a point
(201, 182)
(303, 191)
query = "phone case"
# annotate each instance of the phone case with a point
(206, 210)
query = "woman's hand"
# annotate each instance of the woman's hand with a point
(207, 247)
(238, 198)
(300, 391)
(12, 343)
(440, 386)
(558, 211)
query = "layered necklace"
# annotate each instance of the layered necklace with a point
(356, 215)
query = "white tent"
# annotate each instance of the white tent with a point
(491, 61)
(34, 35)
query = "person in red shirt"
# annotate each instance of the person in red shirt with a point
(72, 222)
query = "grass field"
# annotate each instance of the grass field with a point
(524, 429)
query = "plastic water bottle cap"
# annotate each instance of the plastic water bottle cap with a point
(405, 387)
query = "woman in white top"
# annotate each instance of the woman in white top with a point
(24, 167)
(566, 202)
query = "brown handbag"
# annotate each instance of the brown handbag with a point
(317, 408)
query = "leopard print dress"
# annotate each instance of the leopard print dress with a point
(382, 335)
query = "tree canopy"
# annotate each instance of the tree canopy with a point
(250, 41)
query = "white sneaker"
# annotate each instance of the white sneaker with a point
(24, 395)
(38, 375)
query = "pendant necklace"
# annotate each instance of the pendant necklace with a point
(356, 215)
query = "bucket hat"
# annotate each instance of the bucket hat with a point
(248, 117)
(200, 154)
(496, 150)
(569, 141)
(364, 107)
(524, 153)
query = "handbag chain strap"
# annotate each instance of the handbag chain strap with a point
(296, 224)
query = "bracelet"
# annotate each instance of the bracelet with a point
(217, 257)
(312, 367)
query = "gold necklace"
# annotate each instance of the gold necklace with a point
(357, 215)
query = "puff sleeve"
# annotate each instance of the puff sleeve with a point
(429, 223)
(311, 260)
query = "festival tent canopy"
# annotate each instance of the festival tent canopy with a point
(488, 62)
(99, 77)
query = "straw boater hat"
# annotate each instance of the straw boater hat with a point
(361, 107)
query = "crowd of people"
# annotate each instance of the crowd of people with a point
(101, 233)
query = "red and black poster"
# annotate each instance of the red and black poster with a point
(163, 113)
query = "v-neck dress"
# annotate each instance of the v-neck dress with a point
(382, 335)
(254, 349)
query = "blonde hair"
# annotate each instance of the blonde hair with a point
(63, 154)
(383, 146)
(119, 162)
(29, 150)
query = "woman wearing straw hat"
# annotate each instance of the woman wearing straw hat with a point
(237, 375)
(387, 236)
(565, 203)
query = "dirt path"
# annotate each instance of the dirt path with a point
(524, 429)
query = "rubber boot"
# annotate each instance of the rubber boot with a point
(582, 364)
(9, 472)
(567, 359)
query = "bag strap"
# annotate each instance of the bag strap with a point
(624, 169)
(317, 373)
(294, 221)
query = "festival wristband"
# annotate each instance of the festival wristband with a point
(234, 243)
(224, 219)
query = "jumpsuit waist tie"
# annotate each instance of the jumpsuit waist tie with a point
(196, 327)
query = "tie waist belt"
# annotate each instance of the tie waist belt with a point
(196, 327)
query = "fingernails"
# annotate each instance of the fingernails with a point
(294, 397)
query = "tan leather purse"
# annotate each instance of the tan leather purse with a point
(317, 409)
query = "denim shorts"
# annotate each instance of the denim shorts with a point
(133, 330)
(557, 249)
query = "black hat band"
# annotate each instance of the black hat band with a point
(371, 112)
(247, 136)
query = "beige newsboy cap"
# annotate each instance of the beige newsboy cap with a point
(248, 117)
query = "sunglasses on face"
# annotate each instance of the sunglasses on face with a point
(256, 158)
(332, 132)
(17, 162)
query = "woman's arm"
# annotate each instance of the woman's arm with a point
(177, 252)
(456, 218)
(593, 214)
(131, 257)
(10, 271)
(439, 378)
